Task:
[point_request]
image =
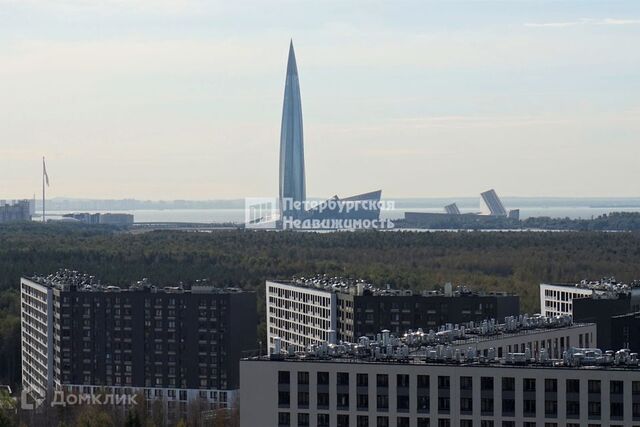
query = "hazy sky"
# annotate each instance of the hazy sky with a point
(182, 99)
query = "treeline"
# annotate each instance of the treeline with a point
(506, 261)
(615, 221)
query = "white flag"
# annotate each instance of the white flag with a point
(44, 172)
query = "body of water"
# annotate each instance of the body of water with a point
(237, 215)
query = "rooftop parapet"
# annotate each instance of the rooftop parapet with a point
(606, 284)
(72, 280)
(387, 348)
(348, 285)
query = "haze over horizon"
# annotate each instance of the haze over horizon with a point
(172, 100)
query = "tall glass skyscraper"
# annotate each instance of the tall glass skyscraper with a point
(292, 181)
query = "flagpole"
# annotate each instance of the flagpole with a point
(43, 202)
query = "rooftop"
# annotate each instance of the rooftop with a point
(607, 284)
(488, 330)
(426, 349)
(72, 280)
(348, 285)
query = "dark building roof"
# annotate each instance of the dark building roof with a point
(72, 280)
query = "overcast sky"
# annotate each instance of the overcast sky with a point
(182, 99)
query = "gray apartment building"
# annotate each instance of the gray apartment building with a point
(383, 383)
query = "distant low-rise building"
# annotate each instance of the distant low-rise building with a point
(122, 219)
(116, 219)
(15, 211)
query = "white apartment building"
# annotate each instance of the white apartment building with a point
(384, 385)
(299, 316)
(556, 299)
(36, 317)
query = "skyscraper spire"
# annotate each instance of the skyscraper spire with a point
(292, 179)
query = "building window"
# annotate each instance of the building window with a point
(423, 403)
(593, 386)
(529, 407)
(466, 423)
(466, 383)
(508, 407)
(486, 423)
(551, 408)
(323, 378)
(303, 378)
(550, 385)
(382, 380)
(529, 384)
(444, 422)
(423, 381)
(363, 402)
(284, 377)
(323, 420)
(486, 383)
(284, 419)
(617, 409)
(402, 422)
(443, 404)
(594, 409)
(343, 420)
(573, 409)
(382, 422)
(466, 404)
(362, 380)
(424, 422)
(362, 421)
(343, 378)
(508, 424)
(402, 380)
(486, 406)
(283, 398)
(616, 387)
(443, 382)
(303, 399)
(343, 401)
(573, 386)
(382, 402)
(323, 400)
(508, 384)
(303, 420)
(403, 403)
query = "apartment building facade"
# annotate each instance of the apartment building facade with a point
(340, 392)
(172, 344)
(305, 312)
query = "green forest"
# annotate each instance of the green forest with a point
(507, 261)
